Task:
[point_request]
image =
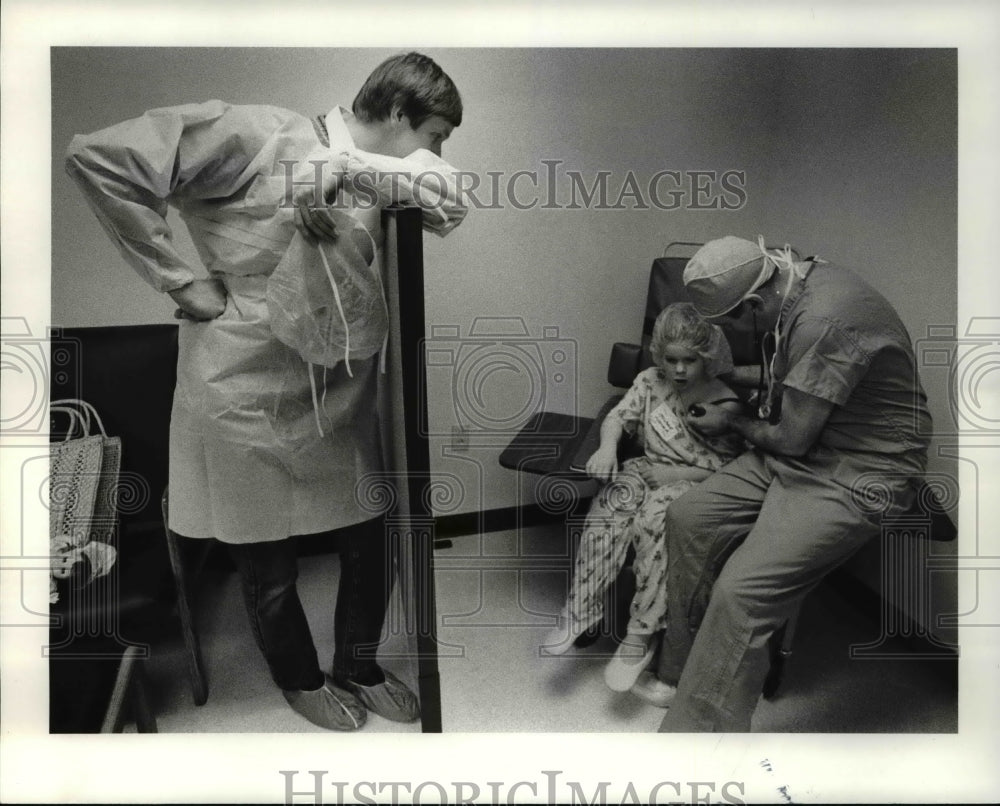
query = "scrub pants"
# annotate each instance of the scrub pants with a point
(268, 572)
(766, 530)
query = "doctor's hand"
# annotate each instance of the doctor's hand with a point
(710, 421)
(200, 300)
(603, 464)
(315, 222)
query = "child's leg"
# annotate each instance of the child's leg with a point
(600, 556)
(649, 605)
(649, 608)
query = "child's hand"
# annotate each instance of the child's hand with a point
(656, 474)
(200, 300)
(603, 465)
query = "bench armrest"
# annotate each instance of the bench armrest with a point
(592, 440)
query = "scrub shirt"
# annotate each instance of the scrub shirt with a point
(748, 543)
(846, 345)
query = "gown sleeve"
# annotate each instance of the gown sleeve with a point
(130, 172)
(421, 179)
(631, 409)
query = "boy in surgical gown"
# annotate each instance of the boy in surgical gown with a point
(263, 444)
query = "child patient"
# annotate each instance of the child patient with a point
(689, 353)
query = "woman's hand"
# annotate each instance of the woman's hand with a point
(61, 565)
(603, 465)
(200, 300)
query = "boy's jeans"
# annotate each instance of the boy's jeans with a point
(268, 572)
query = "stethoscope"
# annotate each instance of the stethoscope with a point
(762, 345)
(766, 410)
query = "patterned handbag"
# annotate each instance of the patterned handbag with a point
(83, 478)
(83, 498)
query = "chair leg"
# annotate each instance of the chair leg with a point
(196, 668)
(145, 719)
(129, 695)
(114, 715)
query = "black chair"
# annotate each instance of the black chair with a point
(128, 374)
(555, 443)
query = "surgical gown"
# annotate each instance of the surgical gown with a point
(247, 461)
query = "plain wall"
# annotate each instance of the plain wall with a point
(867, 175)
(849, 154)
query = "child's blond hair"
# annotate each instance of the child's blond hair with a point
(680, 323)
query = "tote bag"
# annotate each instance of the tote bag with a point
(83, 477)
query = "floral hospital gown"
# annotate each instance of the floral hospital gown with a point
(627, 511)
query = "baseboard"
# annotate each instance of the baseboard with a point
(500, 519)
(448, 527)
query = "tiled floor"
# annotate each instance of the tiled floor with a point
(496, 598)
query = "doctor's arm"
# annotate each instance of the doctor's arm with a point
(802, 419)
(744, 375)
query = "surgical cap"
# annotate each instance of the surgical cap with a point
(723, 272)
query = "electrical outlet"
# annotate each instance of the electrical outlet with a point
(459, 439)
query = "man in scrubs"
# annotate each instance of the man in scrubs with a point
(843, 421)
(260, 449)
